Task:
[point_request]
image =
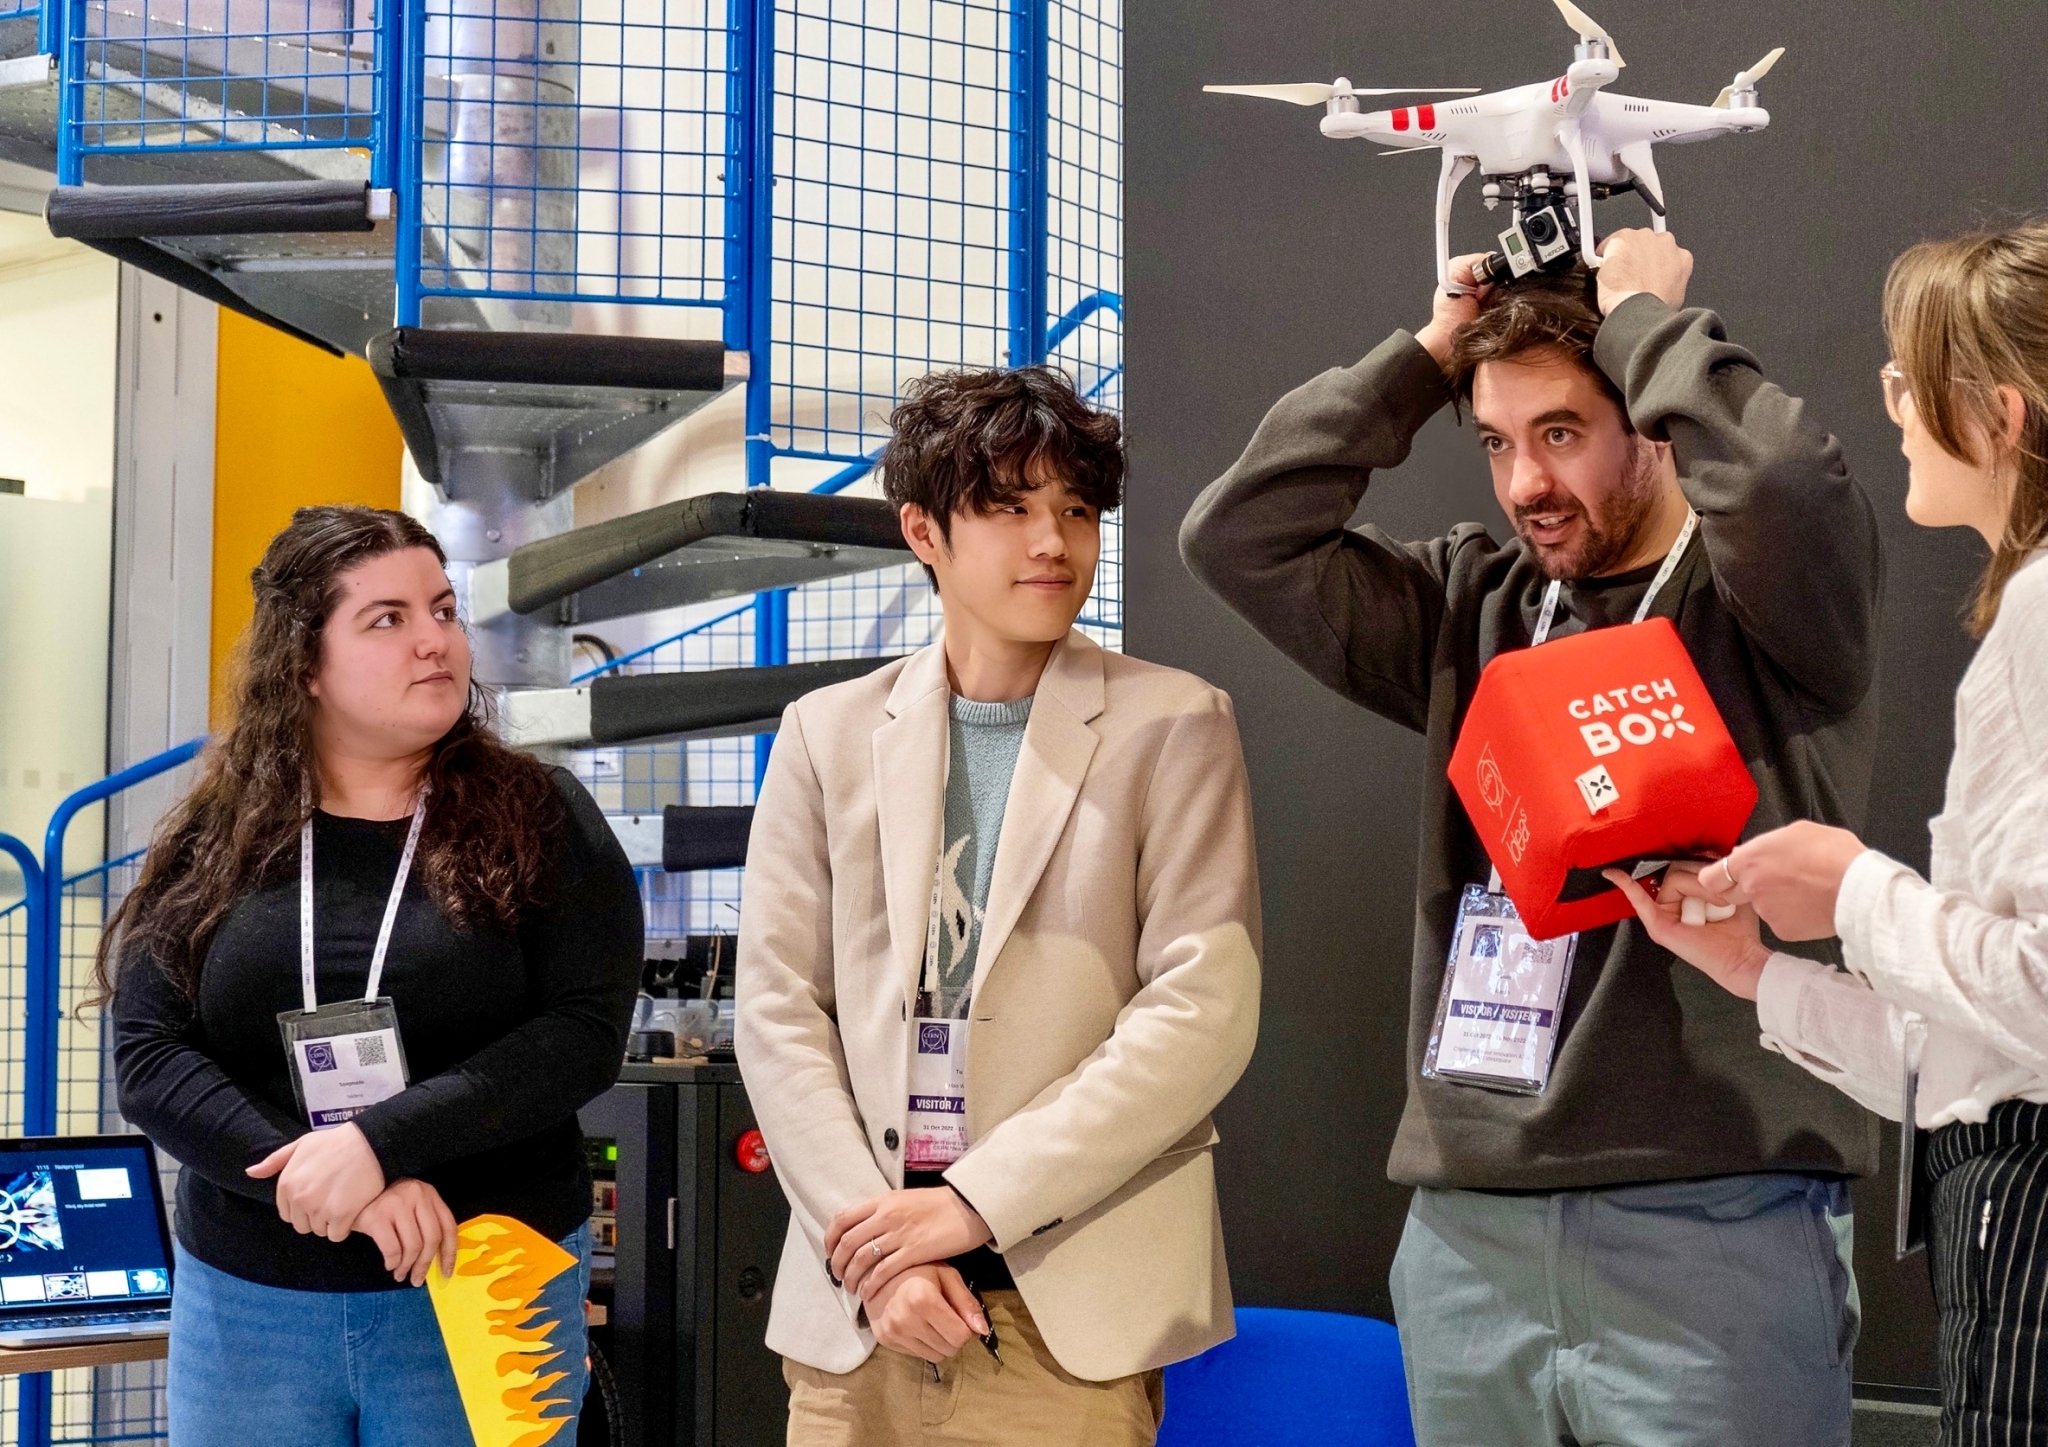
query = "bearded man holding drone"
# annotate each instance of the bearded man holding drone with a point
(1635, 1226)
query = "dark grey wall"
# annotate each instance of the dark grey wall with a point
(1259, 253)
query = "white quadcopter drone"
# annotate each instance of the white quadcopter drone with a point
(1519, 139)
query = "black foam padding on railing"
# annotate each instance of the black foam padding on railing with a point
(712, 836)
(551, 569)
(408, 403)
(164, 265)
(563, 359)
(237, 208)
(660, 705)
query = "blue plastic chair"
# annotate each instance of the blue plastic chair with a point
(1290, 1377)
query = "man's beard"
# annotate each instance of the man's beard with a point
(1610, 535)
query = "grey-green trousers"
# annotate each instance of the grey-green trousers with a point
(1680, 1314)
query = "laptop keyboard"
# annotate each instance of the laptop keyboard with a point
(96, 1318)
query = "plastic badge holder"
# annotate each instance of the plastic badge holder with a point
(1500, 1013)
(356, 1035)
(1602, 750)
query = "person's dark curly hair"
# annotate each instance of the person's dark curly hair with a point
(975, 441)
(1557, 313)
(491, 829)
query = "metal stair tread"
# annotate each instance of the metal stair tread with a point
(573, 400)
(701, 548)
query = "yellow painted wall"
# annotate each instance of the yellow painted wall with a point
(293, 426)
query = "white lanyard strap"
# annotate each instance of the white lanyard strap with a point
(412, 840)
(928, 982)
(1671, 559)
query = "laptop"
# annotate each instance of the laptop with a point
(85, 1246)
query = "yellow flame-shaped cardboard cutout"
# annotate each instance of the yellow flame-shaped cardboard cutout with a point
(488, 1313)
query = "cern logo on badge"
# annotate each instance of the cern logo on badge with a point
(320, 1056)
(932, 1037)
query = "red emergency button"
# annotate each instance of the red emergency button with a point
(751, 1151)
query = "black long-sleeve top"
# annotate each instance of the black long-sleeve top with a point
(1659, 1076)
(506, 1033)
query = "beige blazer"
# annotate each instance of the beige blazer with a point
(1115, 1001)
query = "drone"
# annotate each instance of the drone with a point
(1550, 149)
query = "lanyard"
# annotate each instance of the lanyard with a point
(412, 839)
(1543, 619)
(1692, 522)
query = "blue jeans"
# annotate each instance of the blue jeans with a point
(264, 1366)
(1710, 1313)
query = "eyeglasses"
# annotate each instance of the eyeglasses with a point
(1896, 392)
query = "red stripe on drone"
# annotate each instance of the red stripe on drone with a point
(1401, 119)
(1425, 118)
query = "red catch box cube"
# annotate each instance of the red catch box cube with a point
(1597, 751)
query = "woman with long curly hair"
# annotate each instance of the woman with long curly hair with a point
(470, 933)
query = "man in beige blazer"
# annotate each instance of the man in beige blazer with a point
(1098, 946)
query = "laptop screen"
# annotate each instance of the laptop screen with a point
(81, 1225)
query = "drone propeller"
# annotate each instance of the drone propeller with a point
(1589, 29)
(1747, 79)
(1312, 93)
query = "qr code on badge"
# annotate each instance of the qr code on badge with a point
(320, 1056)
(370, 1050)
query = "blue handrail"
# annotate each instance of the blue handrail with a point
(1079, 312)
(625, 658)
(32, 895)
(31, 870)
(45, 966)
(848, 475)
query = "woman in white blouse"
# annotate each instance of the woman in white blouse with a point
(1953, 969)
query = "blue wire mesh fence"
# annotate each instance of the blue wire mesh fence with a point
(891, 210)
(14, 950)
(866, 615)
(122, 1403)
(572, 151)
(224, 75)
(1084, 238)
(644, 778)
(20, 11)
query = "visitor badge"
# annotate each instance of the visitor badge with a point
(938, 1094)
(1500, 1014)
(344, 1058)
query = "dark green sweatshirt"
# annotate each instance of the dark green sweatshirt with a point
(1660, 1075)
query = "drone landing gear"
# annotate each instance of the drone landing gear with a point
(1643, 179)
(1456, 168)
(1574, 143)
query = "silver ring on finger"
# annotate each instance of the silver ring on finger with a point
(875, 1248)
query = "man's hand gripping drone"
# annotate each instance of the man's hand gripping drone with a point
(1522, 139)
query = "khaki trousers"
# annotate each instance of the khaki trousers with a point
(891, 1399)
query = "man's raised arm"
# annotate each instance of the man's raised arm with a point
(1789, 533)
(1357, 609)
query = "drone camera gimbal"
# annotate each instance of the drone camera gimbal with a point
(1544, 234)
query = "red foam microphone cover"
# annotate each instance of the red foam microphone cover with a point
(1596, 751)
